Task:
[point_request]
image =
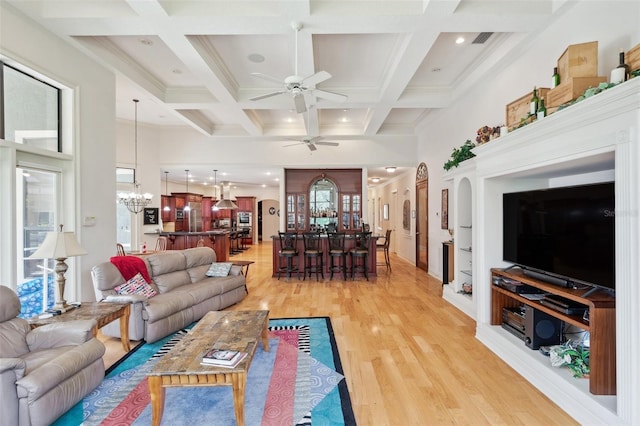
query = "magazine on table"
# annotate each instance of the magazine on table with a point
(223, 357)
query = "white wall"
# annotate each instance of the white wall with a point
(614, 25)
(93, 134)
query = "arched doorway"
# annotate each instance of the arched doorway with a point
(422, 217)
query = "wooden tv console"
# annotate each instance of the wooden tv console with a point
(601, 324)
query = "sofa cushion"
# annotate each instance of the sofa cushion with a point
(106, 276)
(219, 269)
(165, 262)
(199, 256)
(167, 304)
(136, 285)
(13, 338)
(171, 280)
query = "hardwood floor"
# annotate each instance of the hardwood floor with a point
(409, 357)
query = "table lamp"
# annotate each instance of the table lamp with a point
(59, 246)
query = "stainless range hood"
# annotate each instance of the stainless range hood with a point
(225, 204)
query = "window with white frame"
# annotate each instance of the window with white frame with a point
(31, 110)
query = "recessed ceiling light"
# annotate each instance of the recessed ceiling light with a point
(375, 180)
(390, 169)
(264, 185)
(460, 40)
(145, 41)
(256, 58)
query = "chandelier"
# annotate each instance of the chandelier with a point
(135, 201)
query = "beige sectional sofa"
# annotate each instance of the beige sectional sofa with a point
(185, 292)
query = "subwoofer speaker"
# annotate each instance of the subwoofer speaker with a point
(541, 329)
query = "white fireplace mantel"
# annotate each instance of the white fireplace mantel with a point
(594, 140)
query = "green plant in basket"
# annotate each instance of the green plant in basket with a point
(574, 357)
(460, 154)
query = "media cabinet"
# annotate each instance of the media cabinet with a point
(601, 324)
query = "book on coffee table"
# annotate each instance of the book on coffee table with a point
(223, 357)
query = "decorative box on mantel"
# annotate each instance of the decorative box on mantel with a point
(571, 90)
(632, 58)
(519, 109)
(578, 60)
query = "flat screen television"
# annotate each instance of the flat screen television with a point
(562, 235)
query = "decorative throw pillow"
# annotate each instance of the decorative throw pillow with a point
(219, 269)
(136, 285)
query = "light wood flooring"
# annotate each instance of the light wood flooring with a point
(409, 357)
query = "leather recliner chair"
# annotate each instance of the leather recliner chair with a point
(45, 371)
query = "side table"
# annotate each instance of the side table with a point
(103, 313)
(244, 269)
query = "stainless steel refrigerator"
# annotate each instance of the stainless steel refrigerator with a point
(195, 217)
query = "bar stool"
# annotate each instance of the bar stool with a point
(337, 254)
(384, 246)
(313, 254)
(288, 251)
(360, 251)
(161, 244)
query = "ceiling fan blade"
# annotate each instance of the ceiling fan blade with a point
(267, 77)
(301, 106)
(331, 96)
(312, 147)
(268, 95)
(327, 143)
(316, 78)
(293, 144)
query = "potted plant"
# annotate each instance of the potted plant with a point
(575, 357)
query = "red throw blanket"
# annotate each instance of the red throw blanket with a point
(129, 266)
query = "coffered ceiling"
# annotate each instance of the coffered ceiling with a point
(191, 62)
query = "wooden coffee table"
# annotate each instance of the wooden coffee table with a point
(102, 312)
(181, 366)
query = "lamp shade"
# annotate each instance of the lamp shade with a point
(59, 245)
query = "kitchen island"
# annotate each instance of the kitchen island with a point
(217, 239)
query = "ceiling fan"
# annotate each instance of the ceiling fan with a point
(312, 141)
(297, 86)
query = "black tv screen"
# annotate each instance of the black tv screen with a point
(566, 232)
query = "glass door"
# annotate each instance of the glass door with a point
(36, 213)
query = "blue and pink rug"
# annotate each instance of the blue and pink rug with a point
(299, 382)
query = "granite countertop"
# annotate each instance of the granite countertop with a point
(195, 233)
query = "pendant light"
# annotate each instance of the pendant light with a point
(135, 201)
(187, 208)
(215, 207)
(166, 190)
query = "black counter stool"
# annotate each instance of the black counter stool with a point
(360, 251)
(337, 254)
(233, 242)
(288, 251)
(313, 254)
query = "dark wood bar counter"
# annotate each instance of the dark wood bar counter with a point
(218, 240)
(349, 244)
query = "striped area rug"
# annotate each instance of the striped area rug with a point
(299, 382)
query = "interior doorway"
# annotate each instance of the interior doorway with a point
(422, 218)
